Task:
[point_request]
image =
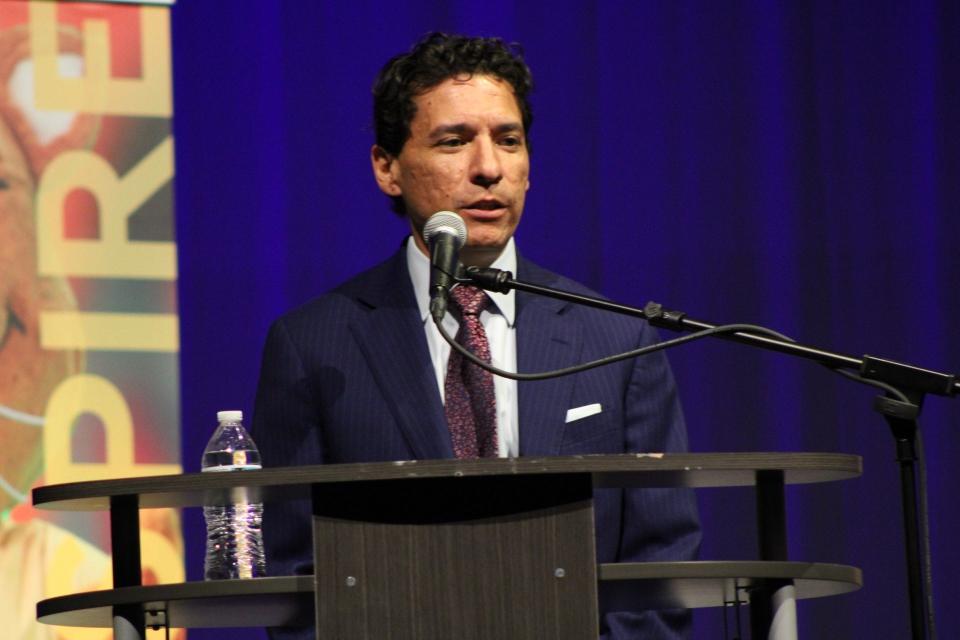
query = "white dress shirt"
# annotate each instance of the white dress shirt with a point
(498, 321)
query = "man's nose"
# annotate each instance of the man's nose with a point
(486, 169)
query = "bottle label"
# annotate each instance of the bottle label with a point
(240, 460)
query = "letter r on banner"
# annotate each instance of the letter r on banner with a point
(113, 255)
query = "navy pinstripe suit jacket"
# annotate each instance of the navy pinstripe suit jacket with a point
(347, 378)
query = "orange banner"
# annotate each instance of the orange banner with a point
(88, 318)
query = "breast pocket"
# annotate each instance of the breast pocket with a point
(596, 433)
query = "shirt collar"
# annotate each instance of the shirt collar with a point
(418, 265)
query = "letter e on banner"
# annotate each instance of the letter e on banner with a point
(96, 91)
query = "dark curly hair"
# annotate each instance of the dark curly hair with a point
(435, 58)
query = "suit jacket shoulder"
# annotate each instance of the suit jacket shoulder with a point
(386, 284)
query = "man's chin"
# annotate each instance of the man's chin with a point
(481, 254)
(488, 237)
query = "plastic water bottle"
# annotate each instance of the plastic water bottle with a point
(234, 536)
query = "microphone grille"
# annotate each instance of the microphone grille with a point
(446, 222)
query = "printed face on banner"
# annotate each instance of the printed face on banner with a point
(28, 373)
(466, 153)
(83, 147)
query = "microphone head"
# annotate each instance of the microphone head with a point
(445, 222)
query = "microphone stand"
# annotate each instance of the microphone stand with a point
(900, 407)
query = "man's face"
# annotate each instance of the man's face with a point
(466, 153)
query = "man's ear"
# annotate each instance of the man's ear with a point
(384, 167)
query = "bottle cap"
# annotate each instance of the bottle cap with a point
(229, 416)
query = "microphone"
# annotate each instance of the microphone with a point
(445, 232)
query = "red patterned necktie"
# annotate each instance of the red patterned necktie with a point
(470, 402)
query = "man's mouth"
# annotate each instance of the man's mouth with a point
(486, 208)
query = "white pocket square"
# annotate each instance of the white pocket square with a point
(585, 411)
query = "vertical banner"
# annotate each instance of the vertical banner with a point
(88, 312)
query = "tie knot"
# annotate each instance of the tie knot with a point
(469, 299)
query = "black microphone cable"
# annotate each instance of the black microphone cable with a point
(556, 373)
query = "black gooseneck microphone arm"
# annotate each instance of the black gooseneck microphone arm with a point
(905, 386)
(899, 375)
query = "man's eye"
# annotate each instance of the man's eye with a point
(511, 141)
(4, 184)
(450, 142)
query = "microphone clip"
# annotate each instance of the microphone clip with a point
(486, 278)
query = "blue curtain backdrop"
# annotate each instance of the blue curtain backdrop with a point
(793, 164)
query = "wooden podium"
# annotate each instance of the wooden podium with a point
(493, 548)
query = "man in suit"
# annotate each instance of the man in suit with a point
(361, 374)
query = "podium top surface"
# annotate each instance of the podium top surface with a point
(620, 470)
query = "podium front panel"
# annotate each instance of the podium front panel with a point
(456, 557)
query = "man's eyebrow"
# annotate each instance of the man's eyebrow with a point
(508, 127)
(444, 129)
(463, 128)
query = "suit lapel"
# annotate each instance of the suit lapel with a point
(545, 340)
(392, 339)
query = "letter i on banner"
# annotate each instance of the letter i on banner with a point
(89, 337)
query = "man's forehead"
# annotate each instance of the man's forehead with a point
(460, 99)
